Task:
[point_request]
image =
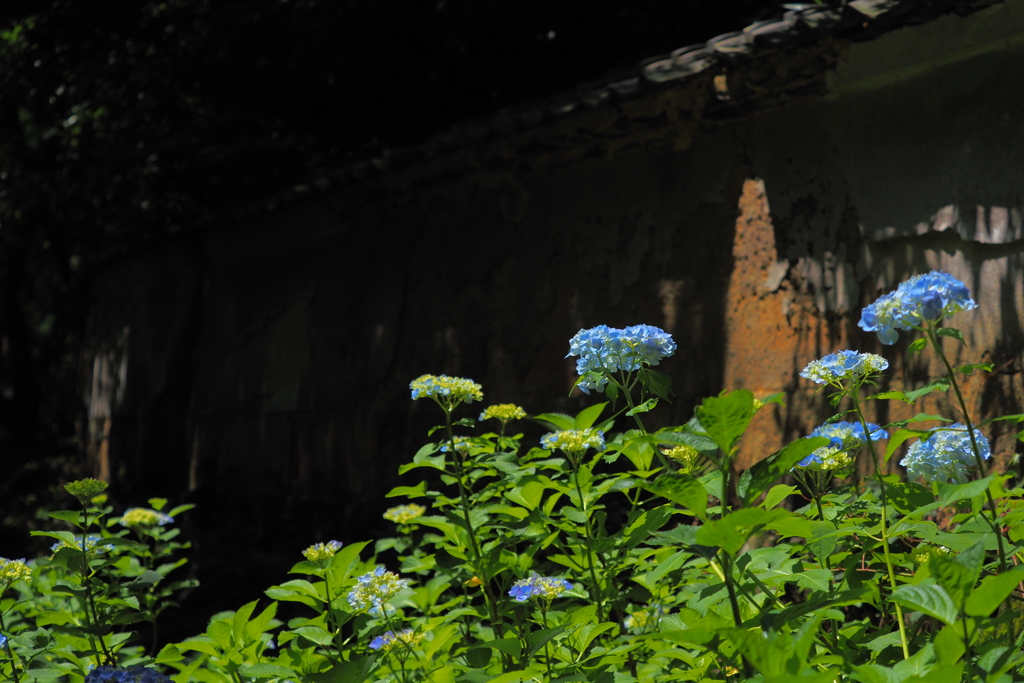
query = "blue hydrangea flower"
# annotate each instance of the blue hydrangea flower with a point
(462, 444)
(609, 349)
(930, 296)
(374, 589)
(544, 587)
(844, 436)
(131, 674)
(945, 455)
(3, 640)
(574, 440)
(387, 641)
(835, 367)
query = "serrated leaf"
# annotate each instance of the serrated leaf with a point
(725, 417)
(951, 332)
(699, 441)
(930, 599)
(890, 396)
(658, 383)
(951, 493)
(527, 493)
(940, 384)
(908, 497)
(971, 367)
(644, 407)
(70, 516)
(917, 346)
(992, 591)
(417, 491)
(586, 418)
(777, 494)
(683, 490)
(266, 671)
(559, 420)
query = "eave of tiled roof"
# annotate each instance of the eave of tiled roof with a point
(800, 26)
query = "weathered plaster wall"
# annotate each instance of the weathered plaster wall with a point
(267, 362)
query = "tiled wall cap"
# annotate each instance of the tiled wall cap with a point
(630, 87)
(735, 44)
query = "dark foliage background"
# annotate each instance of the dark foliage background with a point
(122, 122)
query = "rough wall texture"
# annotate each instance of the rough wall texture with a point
(267, 363)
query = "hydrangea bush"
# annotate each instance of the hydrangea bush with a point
(605, 552)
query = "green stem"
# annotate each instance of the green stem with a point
(478, 571)
(588, 539)
(331, 623)
(7, 646)
(885, 529)
(547, 645)
(91, 621)
(626, 387)
(951, 374)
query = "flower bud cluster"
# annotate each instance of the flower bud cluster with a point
(322, 551)
(403, 514)
(573, 440)
(443, 386)
(503, 411)
(144, 518)
(14, 570)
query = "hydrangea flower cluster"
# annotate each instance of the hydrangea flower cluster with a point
(144, 518)
(131, 674)
(608, 349)
(374, 589)
(835, 367)
(462, 445)
(14, 570)
(322, 551)
(930, 296)
(92, 542)
(946, 454)
(504, 412)
(844, 437)
(574, 440)
(442, 386)
(544, 587)
(387, 641)
(403, 514)
(85, 489)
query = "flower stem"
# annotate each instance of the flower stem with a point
(10, 652)
(885, 530)
(492, 606)
(588, 540)
(933, 337)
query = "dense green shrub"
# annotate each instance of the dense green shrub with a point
(602, 555)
